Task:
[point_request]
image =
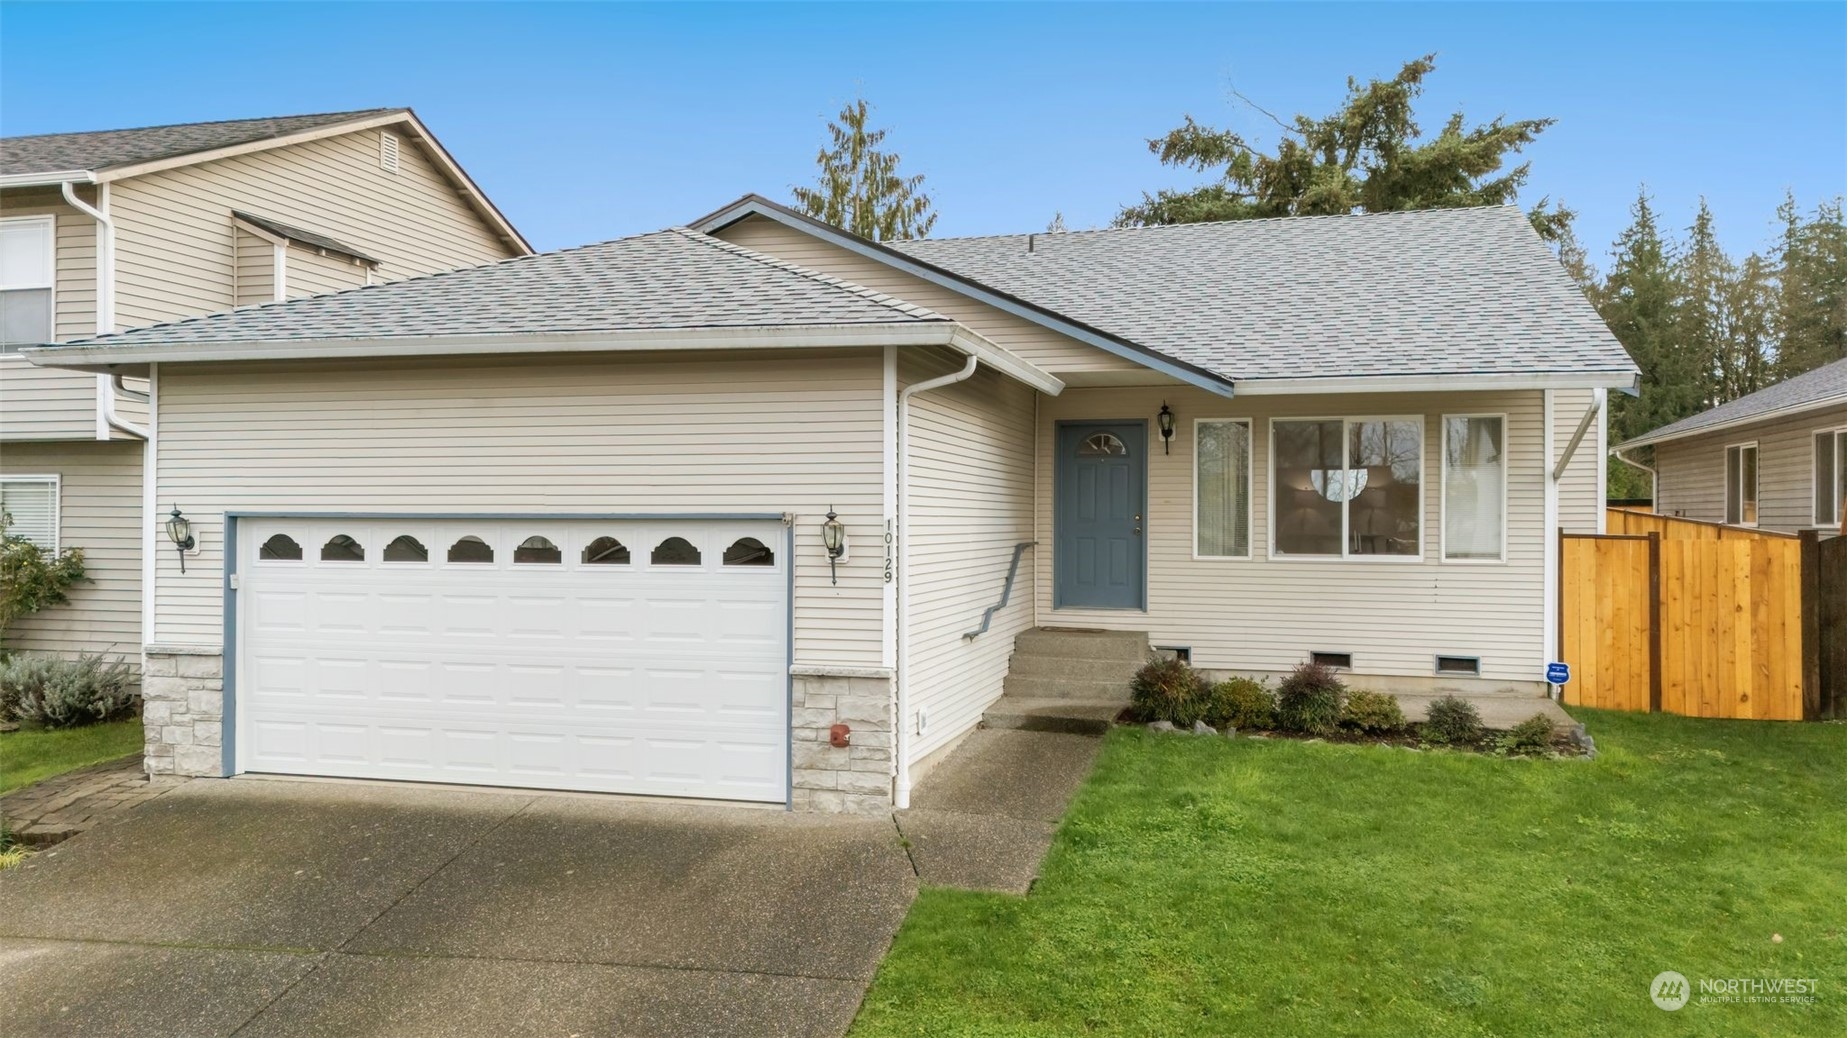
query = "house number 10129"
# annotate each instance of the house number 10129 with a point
(891, 543)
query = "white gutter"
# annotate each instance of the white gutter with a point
(52, 179)
(1435, 383)
(106, 416)
(109, 356)
(902, 736)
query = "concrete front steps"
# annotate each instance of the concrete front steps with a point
(1065, 680)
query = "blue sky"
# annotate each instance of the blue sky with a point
(589, 121)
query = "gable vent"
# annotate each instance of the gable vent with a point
(388, 151)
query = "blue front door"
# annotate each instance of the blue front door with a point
(1101, 494)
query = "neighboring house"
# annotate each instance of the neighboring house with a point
(1776, 459)
(114, 229)
(563, 521)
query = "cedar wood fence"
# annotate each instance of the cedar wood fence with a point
(1683, 617)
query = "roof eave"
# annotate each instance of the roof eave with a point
(48, 179)
(1792, 410)
(757, 205)
(1445, 383)
(119, 359)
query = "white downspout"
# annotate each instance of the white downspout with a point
(106, 416)
(150, 527)
(1549, 623)
(1654, 504)
(901, 744)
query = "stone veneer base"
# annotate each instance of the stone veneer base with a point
(182, 710)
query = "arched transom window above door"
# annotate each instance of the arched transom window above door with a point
(1102, 445)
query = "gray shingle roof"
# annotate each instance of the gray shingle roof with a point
(672, 279)
(104, 149)
(304, 237)
(1435, 292)
(1823, 387)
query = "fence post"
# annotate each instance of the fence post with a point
(1811, 625)
(1654, 622)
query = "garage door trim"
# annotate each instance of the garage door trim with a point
(229, 722)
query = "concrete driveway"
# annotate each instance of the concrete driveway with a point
(261, 908)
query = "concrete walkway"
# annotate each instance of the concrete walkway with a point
(270, 908)
(984, 817)
(62, 806)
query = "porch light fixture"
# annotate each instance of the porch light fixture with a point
(834, 538)
(1166, 420)
(179, 531)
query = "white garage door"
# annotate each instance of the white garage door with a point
(631, 656)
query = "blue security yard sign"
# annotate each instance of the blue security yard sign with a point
(1558, 673)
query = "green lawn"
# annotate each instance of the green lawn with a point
(1217, 887)
(32, 756)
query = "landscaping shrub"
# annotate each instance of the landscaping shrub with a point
(1241, 703)
(1308, 700)
(1167, 689)
(54, 692)
(1373, 712)
(1453, 720)
(32, 578)
(1533, 735)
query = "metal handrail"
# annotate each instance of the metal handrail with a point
(1006, 592)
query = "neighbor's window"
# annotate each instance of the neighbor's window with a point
(27, 269)
(1830, 476)
(30, 505)
(1348, 488)
(1474, 486)
(1741, 484)
(1222, 489)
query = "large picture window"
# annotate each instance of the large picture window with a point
(1474, 487)
(1741, 484)
(1348, 487)
(1830, 477)
(1222, 489)
(27, 269)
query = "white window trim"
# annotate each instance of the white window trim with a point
(1757, 480)
(1423, 504)
(1250, 489)
(1443, 487)
(1839, 433)
(57, 502)
(51, 243)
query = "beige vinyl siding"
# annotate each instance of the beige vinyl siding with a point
(762, 433)
(1264, 616)
(99, 510)
(36, 403)
(311, 273)
(174, 237)
(971, 500)
(1580, 499)
(1690, 473)
(254, 268)
(1040, 345)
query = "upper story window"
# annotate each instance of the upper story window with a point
(28, 268)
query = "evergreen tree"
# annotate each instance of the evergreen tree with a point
(1641, 300)
(1370, 156)
(1811, 262)
(859, 188)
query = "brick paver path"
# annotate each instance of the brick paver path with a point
(64, 805)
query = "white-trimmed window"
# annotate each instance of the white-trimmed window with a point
(1741, 484)
(1830, 476)
(28, 267)
(1347, 487)
(1222, 488)
(31, 505)
(1474, 487)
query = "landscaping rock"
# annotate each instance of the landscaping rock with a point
(1231, 733)
(1162, 726)
(1202, 728)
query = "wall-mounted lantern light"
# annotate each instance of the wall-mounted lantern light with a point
(834, 538)
(1166, 421)
(179, 531)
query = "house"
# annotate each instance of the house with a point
(1775, 459)
(116, 229)
(755, 509)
